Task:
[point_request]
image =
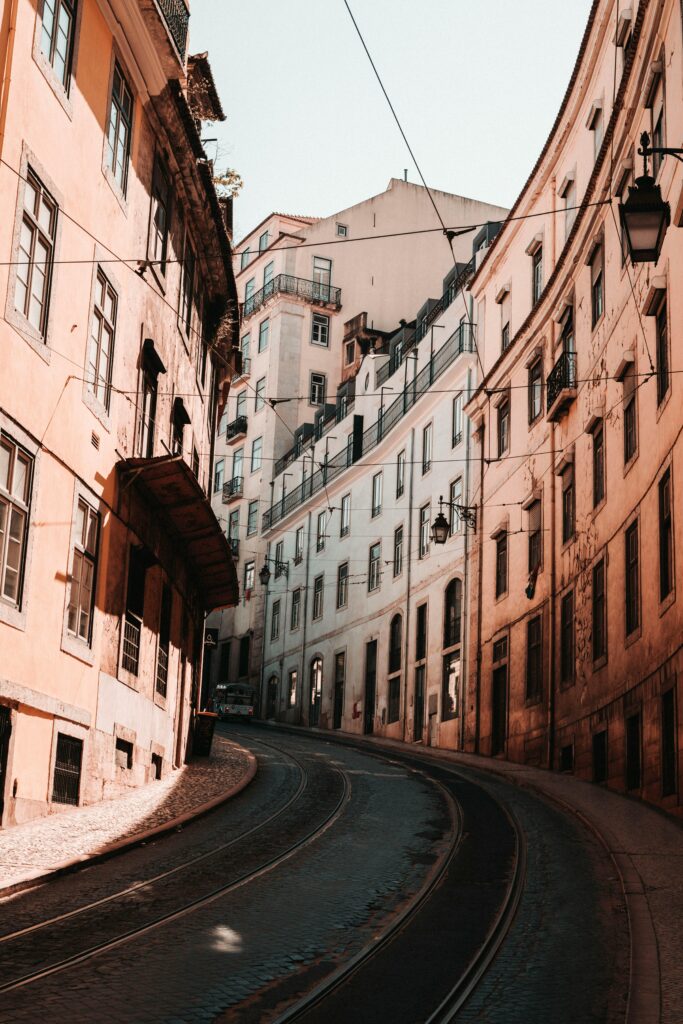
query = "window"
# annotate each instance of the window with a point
(599, 611)
(256, 452)
(425, 516)
(244, 258)
(275, 621)
(395, 644)
(345, 518)
(151, 367)
(400, 473)
(598, 464)
(252, 518)
(632, 581)
(218, 474)
(295, 614)
(161, 682)
(662, 351)
(318, 596)
(135, 608)
(630, 415)
(299, 545)
(421, 633)
(398, 551)
(666, 551)
(342, 230)
(456, 435)
(280, 566)
(322, 276)
(567, 334)
(237, 464)
(394, 702)
(320, 330)
(15, 489)
(597, 285)
(349, 352)
(36, 253)
(260, 398)
(505, 337)
(160, 216)
(537, 275)
(426, 448)
(568, 505)
(195, 462)
(241, 404)
(656, 106)
(374, 567)
(376, 494)
(535, 388)
(249, 294)
(187, 286)
(501, 563)
(569, 196)
(320, 532)
(234, 525)
(249, 571)
(597, 126)
(455, 497)
(291, 687)
(534, 659)
(452, 618)
(57, 36)
(179, 420)
(101, 343)
(567, 638)
(246, 348)
(82, 576)
(268, 272)
(119, 131)
(263, 241)
(450, 686)
(263, 332)
(503, 427)
(535, 536)
(318, 389)
(343, 585)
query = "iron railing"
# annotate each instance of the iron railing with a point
(561, 378)
(462, 340)
(162, 669)
(237, 427)
(66, 782)
(177, 17)
(246, 369)
(132, 627)
(233, 488)
(314, 291)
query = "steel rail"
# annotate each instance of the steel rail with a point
(9, 936)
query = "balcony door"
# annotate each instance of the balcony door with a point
(370, 686)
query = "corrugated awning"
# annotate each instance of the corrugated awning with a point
(170, 485)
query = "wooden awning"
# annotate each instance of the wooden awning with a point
(169, 485)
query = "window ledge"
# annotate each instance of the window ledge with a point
(628, 466)
(26, 331)
(11, 615)
(119, 195)
(633, 637)
(600, 663)
(48, 72)
(77, 648)
(96, 408)
(666, 603)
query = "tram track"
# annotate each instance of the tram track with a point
(310, 836)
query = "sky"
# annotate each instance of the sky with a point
(476, 84)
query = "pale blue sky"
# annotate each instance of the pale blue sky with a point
(476, 83)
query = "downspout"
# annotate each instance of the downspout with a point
(480, 570)
(466, 581)
(8, 48)
(263, 705)
(409, 562)
(305, 616)
(553, 567)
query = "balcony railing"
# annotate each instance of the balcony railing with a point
(561, 384)
(236, 429)
(162, 670)
(176, 16)
(233, 489)
(312, 291)
(246, 369)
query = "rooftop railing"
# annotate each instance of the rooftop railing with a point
(177, 17)
(312, 291)
(561, 382)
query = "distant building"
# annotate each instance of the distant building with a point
(119, 304)
(317, 296)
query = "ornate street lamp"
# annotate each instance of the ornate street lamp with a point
(441, 528)
(264, 575)
(645, 216)
(281, 569)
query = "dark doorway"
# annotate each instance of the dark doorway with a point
(419, 707)
(499, 701)
(67, 778)
(316, 691)
(243, 668)
(668, 743)
(5, 733)
(271, 705)
(370, 686)
(339, 673)
(633, 779)
(600, 756)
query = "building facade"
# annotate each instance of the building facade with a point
(316, 295)
(119, 306)
(575, 617)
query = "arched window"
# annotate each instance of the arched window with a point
(395, 632)
(452, 613)
(316, 691)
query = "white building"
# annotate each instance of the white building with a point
(316, 295)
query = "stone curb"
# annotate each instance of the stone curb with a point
(121, 845)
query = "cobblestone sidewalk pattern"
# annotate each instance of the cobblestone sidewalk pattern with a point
(38, 847)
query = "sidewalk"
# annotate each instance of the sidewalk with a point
(61, 841)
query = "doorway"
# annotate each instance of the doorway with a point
(499, 698)
(316, 691)
(419, 708)
(5, 733)
(370, 686)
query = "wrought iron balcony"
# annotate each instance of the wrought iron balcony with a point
(176, 16)
(312, 291)
(236, 430)
(246, 370)
(234, 543)
(561, 385)
(233, 489)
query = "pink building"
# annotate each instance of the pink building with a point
(119, 305)
(576, 618)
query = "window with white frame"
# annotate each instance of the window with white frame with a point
(82, 575)
(342, 230)
(268, 272)
(249, 577)
(376, 494)
(160, 217)
(320, 330)
(241, 404)
(569, 194)
(655, 105)
(345, 518)
(398, 551)
(291, 686)
(425, 516)
(218, 474)
(57, 36)
(280, 567)
(16, 468)
(36, 253)
(263, 241)
(322, 277)
(263, 335)
(427, 435)
(101, 342)
(299, 545)
(244, 258)
(374, 572)
(400, 473)
(318, 585)
(119, 129)
(343, 585)
(455, 497)
(456, 436)
(295, 614)
(596, 124)
(256, 453)
(275, 621)
(318, 388)
(320, 532)
(260, 397)
(252, 518)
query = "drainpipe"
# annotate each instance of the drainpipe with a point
(8, 47)
(305, 615)
(466, 582)
(409, 562)
(552, 611)
(480, 569)
(263, 705)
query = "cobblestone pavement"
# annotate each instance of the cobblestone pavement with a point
(35, 848)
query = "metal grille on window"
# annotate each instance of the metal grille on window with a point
(67, 776)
